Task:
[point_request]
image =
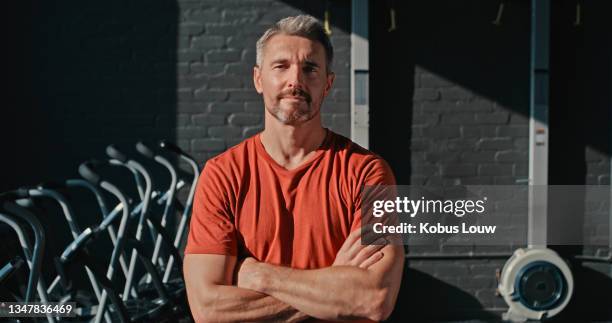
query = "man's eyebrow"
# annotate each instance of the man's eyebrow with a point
(279, 61)
(311, 63)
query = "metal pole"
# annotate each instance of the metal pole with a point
(360, 73)
(610, 178)
(538, 123)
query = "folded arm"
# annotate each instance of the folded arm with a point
(337, 292)
(212, 298)
(363, 282)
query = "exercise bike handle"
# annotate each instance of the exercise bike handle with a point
(20, 193)
(144, 150)
(87, 172)
(51, 186)
(173, 148)
(113, 152)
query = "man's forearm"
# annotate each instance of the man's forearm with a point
(342, 292)
(234, 304)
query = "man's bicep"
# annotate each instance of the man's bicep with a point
(208, 269)
(203, 274)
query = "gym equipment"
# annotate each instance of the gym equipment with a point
(536, 283)
(176, 286)
(75, 230)
(138, 309)
(181, 230)
(160, 294)
(33, 255)
(158, 230)
(10, 267)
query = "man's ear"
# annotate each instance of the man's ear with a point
(257, 79)
(329, 82)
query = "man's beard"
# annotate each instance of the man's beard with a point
(301, 114)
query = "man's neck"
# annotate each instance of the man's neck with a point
(291, 146)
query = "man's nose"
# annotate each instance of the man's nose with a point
(295, 77)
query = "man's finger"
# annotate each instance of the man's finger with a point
(369, 250)
(351, 245)
(366, 238)
(376, 257)
(363, 231)
(353, 236)
(369, 236)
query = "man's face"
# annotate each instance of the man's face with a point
(293, 78)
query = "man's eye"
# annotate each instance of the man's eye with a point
(276, 67)
(309, 69)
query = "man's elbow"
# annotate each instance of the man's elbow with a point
(386, 288)
(383, 297)
(203, 308)
(200, 314)
(205, 314)
(382, 305)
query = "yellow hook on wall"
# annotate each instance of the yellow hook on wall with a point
(326, 23)
(393, 25)
(500, 11)
(578, 20)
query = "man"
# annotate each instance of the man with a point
(275, 231)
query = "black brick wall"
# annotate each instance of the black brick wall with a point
(449, 98)
(116, 72)
(463, 87)
(453, 111)
(216, 42)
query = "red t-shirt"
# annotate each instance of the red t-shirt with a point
(247, 204)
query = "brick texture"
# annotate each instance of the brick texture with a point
(219, 54)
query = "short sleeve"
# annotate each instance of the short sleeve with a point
(379, 173)
(378, 180)
(212, 229)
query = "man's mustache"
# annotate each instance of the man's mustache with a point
(296, 93)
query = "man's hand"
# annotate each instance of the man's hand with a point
(247, 274)
(353, 253)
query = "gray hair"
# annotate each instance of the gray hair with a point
(303, 25)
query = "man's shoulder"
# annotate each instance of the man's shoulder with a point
(362, 164)
(348, 149)
(233, 155)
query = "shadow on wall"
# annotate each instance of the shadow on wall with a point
(100, 72)
(580, 127)
(447, 79)
(94, 73)
(424, 298)
(592, 299)
(581, 104)
(452, 59)
(444, 62)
